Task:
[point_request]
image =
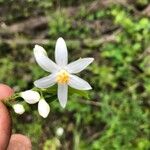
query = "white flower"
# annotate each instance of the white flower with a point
(62, 73)
(33, 97)
(18, 108)
(59, 131)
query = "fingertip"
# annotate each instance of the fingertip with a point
(5, 91)
(18, 141)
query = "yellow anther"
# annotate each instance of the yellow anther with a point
(62, 77)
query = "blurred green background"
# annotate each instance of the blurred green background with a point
(117, 34)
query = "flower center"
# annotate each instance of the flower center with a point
(62, 77)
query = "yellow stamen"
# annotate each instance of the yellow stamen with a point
(62, 77)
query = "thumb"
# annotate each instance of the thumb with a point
(5, 120)
(5, 127)
(5, 91)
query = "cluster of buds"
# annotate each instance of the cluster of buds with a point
(32, 97)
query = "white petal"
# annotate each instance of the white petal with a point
(39, 50)
(43, 108)
(61, 53)
(62, 94)
(78, 83)
(79, 65)
(19, 109)
(42, 59)
(30, 96)
(46, 81)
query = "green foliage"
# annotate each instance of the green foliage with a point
(112, 116)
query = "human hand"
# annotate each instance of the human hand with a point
(8, 141)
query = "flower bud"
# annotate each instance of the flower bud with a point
(19, 109)
(30, 96)
(59, 131)
(43, 108)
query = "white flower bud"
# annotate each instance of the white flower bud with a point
(43, 108)
(59, 131)
(30, 96)
(18, 108)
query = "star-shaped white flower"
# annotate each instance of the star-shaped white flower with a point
(62, 73)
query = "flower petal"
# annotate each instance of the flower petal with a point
(79, 65)
(43, 108)
(46, 81)
(62, 94)
(42, 59)
(78, 83)
(61, 53)
(30, 96)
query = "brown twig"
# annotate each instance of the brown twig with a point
(96, 42)
(93, 103)
(146, 11)
(25, 25)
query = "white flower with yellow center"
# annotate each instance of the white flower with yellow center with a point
(62, 72)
